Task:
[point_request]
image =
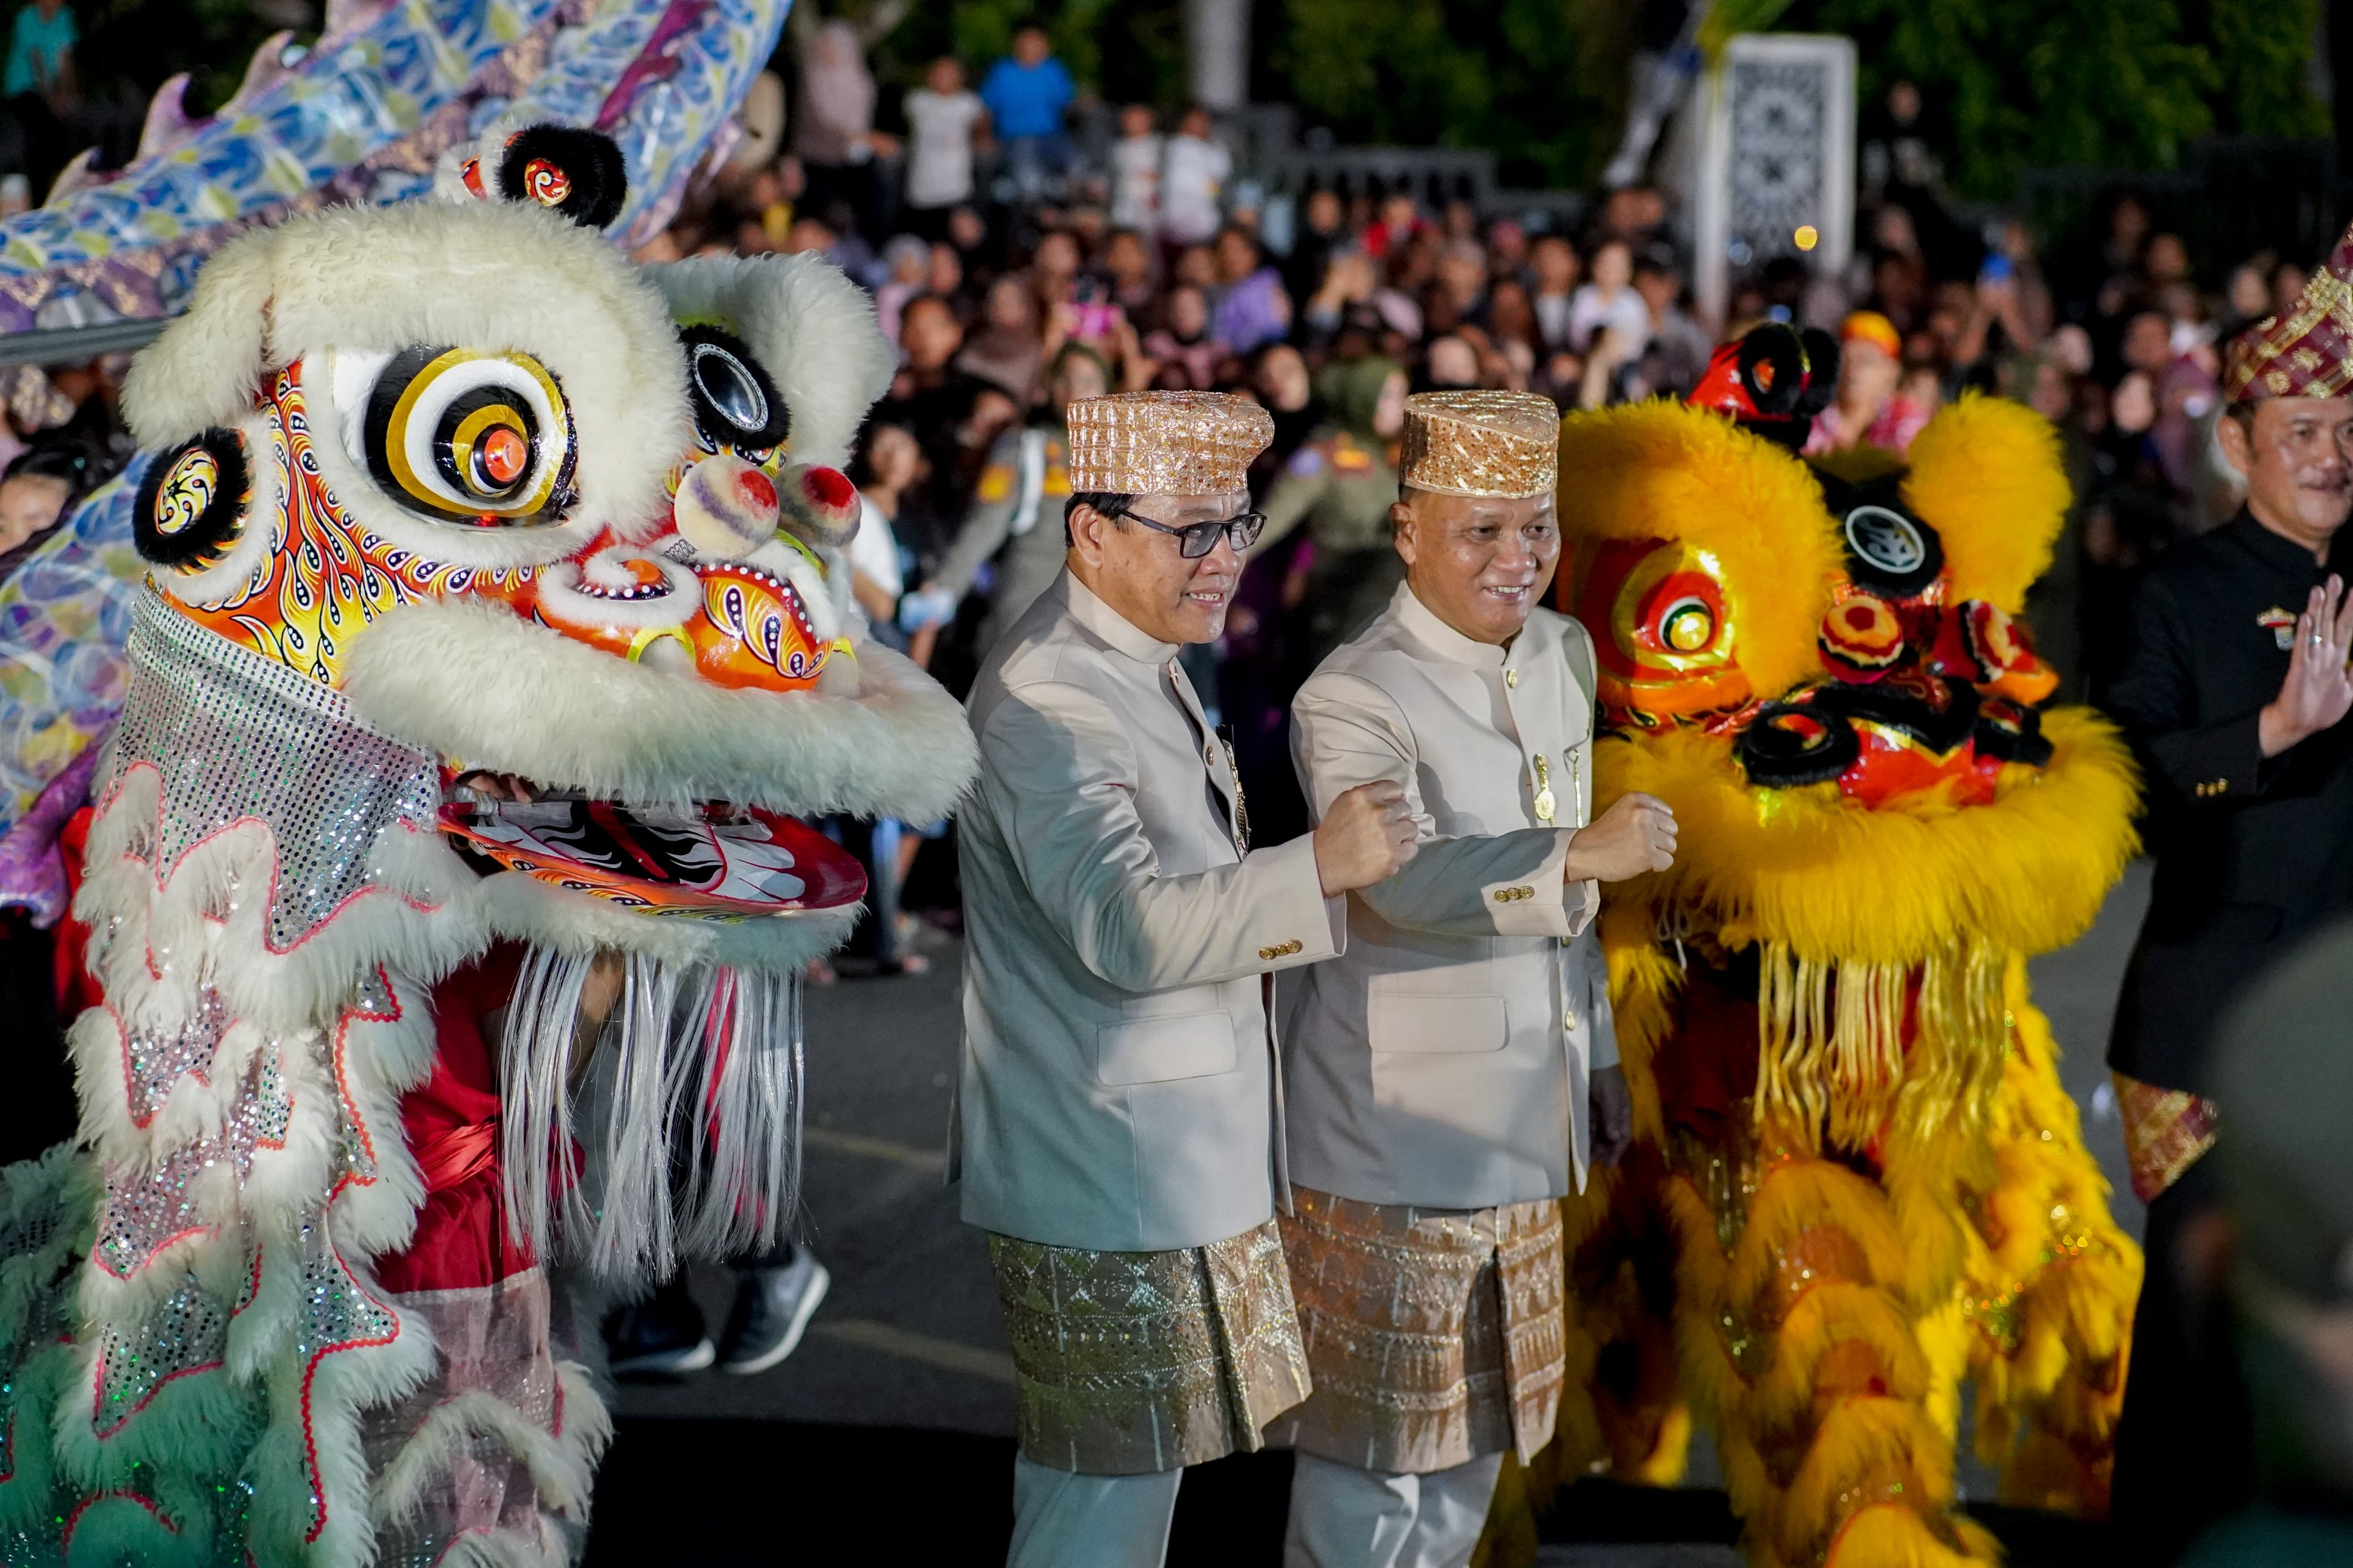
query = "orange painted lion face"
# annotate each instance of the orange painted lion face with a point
(1821, 627)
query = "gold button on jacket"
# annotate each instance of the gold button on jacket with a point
(1426, 1062)
(1114, 1025)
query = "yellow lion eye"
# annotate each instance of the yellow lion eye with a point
(1688, 625)
(460, 434)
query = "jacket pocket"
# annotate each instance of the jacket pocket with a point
(1429, 1025)
(1155, 1050)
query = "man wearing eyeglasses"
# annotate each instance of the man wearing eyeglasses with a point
(1119, 1105)
(1453, 1072)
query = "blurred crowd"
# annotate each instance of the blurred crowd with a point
(1015, 274)
(1015, 270)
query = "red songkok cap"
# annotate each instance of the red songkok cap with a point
(2306, 352)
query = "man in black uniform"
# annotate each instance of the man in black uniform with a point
(2234, 691)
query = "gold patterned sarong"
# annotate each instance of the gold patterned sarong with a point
(1434, 1335)
(2165, 1131)
(1133, 1361)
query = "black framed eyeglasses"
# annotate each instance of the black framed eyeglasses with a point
(1195, 540)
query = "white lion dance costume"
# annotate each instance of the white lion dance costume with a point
(496, 623)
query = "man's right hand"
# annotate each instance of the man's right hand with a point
(1364, 839)
(2318, 691)
(1636, 834)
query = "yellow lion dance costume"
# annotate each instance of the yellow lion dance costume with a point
(1857, 1180)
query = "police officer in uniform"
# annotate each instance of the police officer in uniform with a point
(1027, 479)
(2234, 691)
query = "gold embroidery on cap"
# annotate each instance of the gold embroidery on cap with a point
(1501, 444)
(1165, 443)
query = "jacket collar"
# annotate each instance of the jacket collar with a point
(2279, 552)
(1419, 620)
(1088, 609)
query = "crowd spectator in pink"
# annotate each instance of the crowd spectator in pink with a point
(1183, 340)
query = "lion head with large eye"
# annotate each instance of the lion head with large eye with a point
(552, 518)
(495, 595)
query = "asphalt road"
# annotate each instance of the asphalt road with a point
(905, 1367)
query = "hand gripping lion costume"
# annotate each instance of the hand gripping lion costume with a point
(494, 638)
(1857, 1180)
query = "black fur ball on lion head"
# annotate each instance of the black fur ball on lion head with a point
(563, 167)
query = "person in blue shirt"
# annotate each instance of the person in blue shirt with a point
(37, 84)
(1026, 94)
(40, 50)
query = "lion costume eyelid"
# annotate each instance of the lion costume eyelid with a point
(1726, 492)
(350, 278)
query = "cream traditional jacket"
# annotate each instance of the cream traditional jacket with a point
(1119, 1088)
(1443, 1060)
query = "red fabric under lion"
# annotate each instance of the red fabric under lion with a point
(451, 1121)
(76, 989)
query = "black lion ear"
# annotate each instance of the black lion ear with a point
(192, 504)
(577, 172)
(1773, 369)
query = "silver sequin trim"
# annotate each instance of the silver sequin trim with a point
(236, 735)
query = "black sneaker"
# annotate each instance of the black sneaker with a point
(773, 1308)
(660, 1336)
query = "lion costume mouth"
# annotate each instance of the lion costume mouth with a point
(711, 862)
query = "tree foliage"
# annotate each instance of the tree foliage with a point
(2011, 84)
(1537, 81)
(1124, 49)
(2264, 49)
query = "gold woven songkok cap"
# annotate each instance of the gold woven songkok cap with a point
(1502, 444)
(1165, 443)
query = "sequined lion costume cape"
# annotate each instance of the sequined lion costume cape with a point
(494, 651)
(1857, 1181)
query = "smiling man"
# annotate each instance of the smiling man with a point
(1456, 1070)
(2234, 691)
(1119, 1103)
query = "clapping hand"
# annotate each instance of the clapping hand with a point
(2318, 691)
